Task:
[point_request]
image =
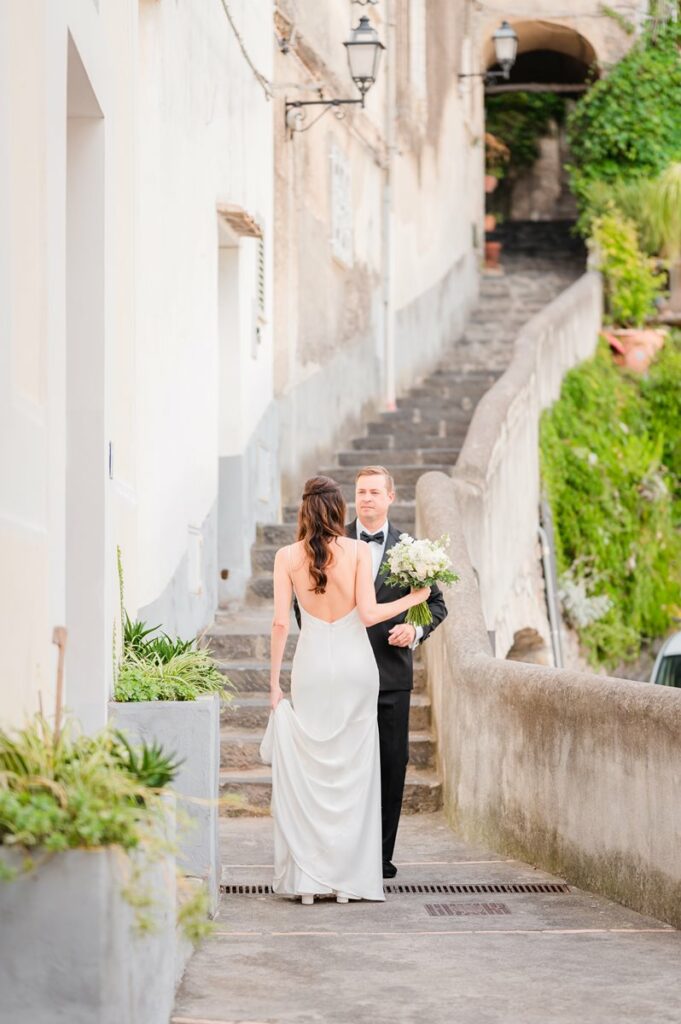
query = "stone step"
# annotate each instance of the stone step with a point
(393, 458)
(446, 393)
(402, 419)
(252, 677)
(249, 792)
(237, 637)
(405, 473)
(402, 513)
(227, 647)
(381, 444)
(240, 749)
(420, 434)
(260, 588)
(251, 711)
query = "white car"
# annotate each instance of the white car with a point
(667, 667)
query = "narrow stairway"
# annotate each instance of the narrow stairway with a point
(425, 432)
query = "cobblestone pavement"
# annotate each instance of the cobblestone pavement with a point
(488, 957)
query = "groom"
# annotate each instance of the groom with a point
(393, 643)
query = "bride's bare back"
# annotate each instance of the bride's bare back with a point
(349, 585)
(340, 596)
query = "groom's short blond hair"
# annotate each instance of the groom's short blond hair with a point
(377, 471)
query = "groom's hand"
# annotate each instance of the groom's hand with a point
(402, 635)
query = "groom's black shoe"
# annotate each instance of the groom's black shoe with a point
(389, 869)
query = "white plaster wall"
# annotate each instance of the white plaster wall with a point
(185, 127)
(205, 139)
(34, 108)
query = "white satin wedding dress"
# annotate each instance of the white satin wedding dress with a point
(324, 752)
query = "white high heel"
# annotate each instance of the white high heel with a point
(307, 901)
(342, 898)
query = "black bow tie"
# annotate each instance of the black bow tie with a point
(376, 538)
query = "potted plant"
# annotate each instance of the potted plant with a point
(631, 286)
(87, 878)
(168, 691)
(497, 156)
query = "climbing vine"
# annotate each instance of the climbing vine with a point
(627, 125)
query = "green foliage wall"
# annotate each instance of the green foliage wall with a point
(628, 124)
(611, 466)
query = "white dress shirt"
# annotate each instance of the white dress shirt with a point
(377, 553)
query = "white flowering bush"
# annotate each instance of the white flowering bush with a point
(418, 563)
(580, 607)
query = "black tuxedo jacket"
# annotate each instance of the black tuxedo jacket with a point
(395, 664)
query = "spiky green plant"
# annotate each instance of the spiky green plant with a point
(67, 790)
(184, 676)
(147, 762)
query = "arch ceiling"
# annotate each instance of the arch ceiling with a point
(547, 37)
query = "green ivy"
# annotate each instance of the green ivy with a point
(611, 465)
(627, 125)
(519, 120)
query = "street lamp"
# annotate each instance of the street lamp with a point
(505, 49)
(364, 55)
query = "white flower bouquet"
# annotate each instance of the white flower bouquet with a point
(418, 563)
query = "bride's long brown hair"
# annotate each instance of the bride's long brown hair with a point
(321, 519)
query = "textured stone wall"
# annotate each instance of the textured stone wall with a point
(497, 473)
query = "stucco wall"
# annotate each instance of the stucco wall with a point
(496, 477)
(415, 195)
(576, 773)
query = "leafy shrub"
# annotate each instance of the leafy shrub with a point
(159, 667)
(67, 790)
(627, 125)
(183, 676)
(631, 282)
(610, 458)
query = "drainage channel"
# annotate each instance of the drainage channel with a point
(427, 888)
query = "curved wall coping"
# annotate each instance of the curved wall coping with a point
(576, 772)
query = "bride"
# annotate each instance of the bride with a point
(323, 748)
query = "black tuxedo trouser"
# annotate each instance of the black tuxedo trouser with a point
(393, 734)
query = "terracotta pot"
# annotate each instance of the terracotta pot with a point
(635, 347)
(492, 253)
(490, 183)
(490, 222)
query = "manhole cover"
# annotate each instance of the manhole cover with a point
(465, 909)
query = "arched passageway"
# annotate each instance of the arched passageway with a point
(530, 206)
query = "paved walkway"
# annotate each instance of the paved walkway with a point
(517, 958)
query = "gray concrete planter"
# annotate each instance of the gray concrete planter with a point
(70, 949)
(191, 730)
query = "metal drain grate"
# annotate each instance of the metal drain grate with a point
(465, 909)
(476, 888)
(428, 888)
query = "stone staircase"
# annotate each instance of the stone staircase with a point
(425, 432)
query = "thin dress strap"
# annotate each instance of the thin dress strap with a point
(290, 573)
